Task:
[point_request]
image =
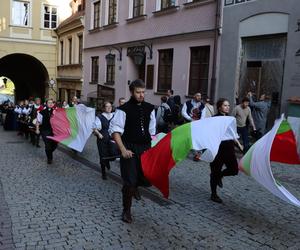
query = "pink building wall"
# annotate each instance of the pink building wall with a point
(188, 26)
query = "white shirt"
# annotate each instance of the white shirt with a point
(117, 124)
(189, 116)
(97, 123)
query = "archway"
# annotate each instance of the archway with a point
(27, 73)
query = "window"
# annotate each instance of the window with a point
(80, 44)
(165, 70)
(138, 8)
(96, 15)
(110, 69)
(150, 73)
(70, 50)
(95, 69)
(164, 4)
(50, 17)
(112, 12)
(61, 52)
(199, 68)
(20, 13)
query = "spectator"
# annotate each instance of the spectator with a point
(209, 108)
(242, 113)
(122, 100)
(161, 122)
(170, 100)
(192, 109)
(260, 110)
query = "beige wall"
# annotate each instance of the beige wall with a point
(32, 39)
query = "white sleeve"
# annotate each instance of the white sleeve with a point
(152, 124)
(185, 114)
(203, 113)
(97, 124)
(117, 123)
(26, 111)
(18, 110)
(39, 118)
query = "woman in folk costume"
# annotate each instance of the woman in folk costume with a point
(44, 127)
(106, 148)
(225, 156)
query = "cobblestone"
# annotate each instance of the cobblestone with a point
(68, 206)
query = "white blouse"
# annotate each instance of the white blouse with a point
(117, 124)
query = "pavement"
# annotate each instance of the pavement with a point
(67, 205)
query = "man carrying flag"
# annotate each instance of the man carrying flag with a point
(131, 128)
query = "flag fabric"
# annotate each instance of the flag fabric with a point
(175, 146)
(278, 145)
(72, 126)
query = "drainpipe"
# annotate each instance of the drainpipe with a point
(215, 50)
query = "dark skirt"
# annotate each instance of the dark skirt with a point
(107, 149)
(131, 169)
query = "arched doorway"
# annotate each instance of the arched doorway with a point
(27, 73)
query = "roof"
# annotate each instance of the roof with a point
(73, 17)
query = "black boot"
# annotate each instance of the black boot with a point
(127, 193)
(216, 198)
(49, 156)
(137, 195)
(213, 185)
(38, 141)
(103, 171)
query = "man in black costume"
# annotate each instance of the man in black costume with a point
(131, 128)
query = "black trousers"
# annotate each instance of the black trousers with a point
(34, 138)
(50, 145)
(226, 156)
(131, 169)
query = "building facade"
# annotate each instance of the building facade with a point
(170, 44)
(70, 48)
(260, 51)
(28, 44)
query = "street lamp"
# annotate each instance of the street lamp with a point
(110, 59)
(138, 57)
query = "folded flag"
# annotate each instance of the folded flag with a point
(72, 126)
(174, 147)
(278, 145)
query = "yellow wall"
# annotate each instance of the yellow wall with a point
(33, 39)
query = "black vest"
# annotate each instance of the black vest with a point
(189, 107)
(46, 125)
(104, 126)
(137, 121)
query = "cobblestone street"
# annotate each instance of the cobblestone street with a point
(68, 206)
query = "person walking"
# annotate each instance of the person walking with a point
(106, 147)
(242, 113)
(192, 110)
(225, 156)
(43, 126)
(132, 128)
